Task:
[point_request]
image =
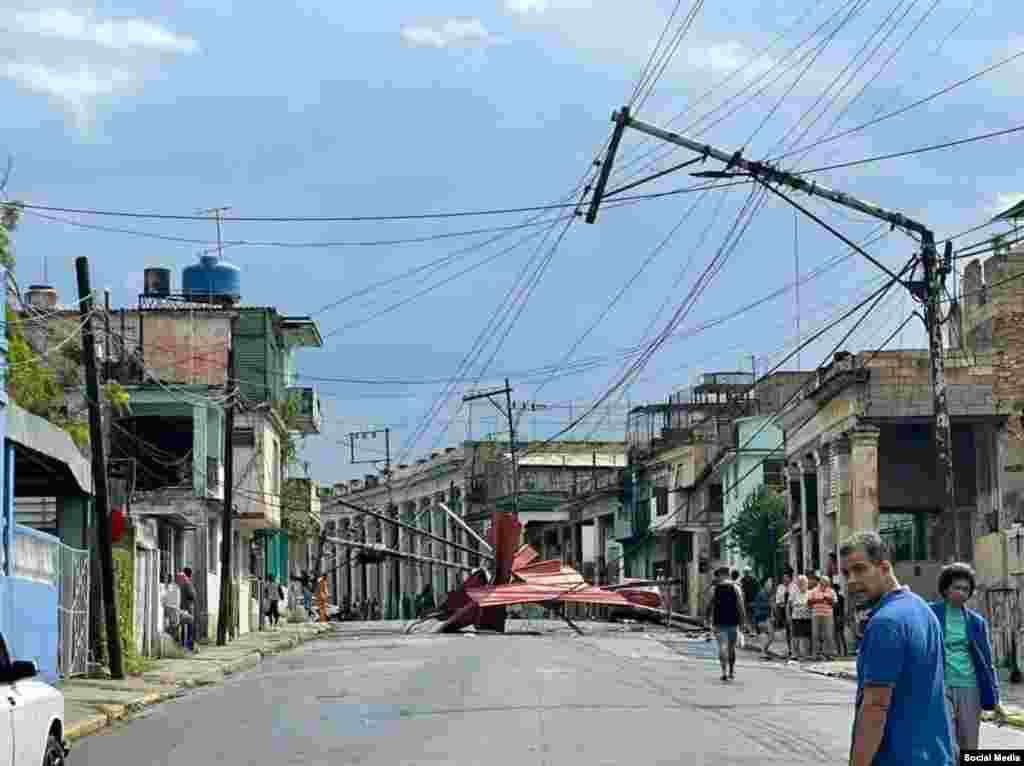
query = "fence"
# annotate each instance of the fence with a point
(1005, 624)
(44, 560)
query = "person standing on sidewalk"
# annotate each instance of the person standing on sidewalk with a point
(901, 714)
(839, 623)
(972, 684)
(188, 604)
(727, 614)
(779, 616)
(800, 618)
(275, 595)
(822, 602)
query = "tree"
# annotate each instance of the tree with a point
(756, 532)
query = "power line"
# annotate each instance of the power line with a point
(909, 152)
(296, 245)
(904, 109)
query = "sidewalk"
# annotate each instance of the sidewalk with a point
(1011, 695)
(91, 704)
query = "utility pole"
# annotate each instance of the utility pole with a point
(373, 434)
(227, 514)
(99, 470)
(929, 291)
(507, 412)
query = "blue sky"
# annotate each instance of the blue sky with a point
(341, 109)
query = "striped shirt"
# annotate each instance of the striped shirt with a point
(821, 600)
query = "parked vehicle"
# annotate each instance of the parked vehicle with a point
(31, 716)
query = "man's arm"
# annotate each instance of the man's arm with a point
(871, 718)
(883, 655)
(743, 607)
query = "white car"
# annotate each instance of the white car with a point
(31, 716)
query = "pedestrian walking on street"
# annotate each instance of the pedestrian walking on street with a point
(822, 602)
(749, 585)
(972, 684)
(839, 622)
(901, 715)
(275, 596)
(761, 610)
(726, 614)
(800, 617)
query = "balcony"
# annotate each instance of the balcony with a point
(307, 418)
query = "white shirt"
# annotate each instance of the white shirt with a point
(780, 595)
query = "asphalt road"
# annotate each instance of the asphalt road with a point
(615, 698)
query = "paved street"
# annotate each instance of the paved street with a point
(368, 697)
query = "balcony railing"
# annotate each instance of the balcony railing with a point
(307, 415)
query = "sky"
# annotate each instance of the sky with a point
(339, 110)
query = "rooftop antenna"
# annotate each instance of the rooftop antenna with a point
(217, 214)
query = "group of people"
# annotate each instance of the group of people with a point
(924, 670)
(811, 610)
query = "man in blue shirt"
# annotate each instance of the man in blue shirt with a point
(901, 715)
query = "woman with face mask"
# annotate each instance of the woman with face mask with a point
(972, 684)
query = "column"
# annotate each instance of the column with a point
(408, 565)
(820, 462)
(791, 516)
(364, 537)
(421, 544)
(395, 568)
(344, 564)
(864, 478)
(808, 499)
(826, 504)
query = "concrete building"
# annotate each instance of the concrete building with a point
(171, 355)
(754, 461)
(472, 480)
(860, 455)
(680, 452)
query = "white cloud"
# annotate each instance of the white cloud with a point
(451, 33)
(526, 6)
(76, 58)
(118, 34)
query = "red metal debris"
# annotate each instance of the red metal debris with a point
(532, 582)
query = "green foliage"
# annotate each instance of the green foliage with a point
(118, 397)
(124, 588)
(33, 385)
(756, 532)
(10, 214)
(288, 410)
(298, 522)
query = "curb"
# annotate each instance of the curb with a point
(1013, 720)
(85, 727)
(108, 712)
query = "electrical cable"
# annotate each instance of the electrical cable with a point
(910, 152)
(297, 245)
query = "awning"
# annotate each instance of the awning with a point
(48, 464)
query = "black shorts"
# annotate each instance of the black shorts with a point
(780, 618)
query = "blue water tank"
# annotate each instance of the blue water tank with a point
(212, 281)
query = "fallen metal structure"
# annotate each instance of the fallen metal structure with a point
(520, 578)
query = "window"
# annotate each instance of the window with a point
(213, 555)
(773, 474)
(244, 437)
(906, 534)
(661, 501)
(275, 468)
(166, 553)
